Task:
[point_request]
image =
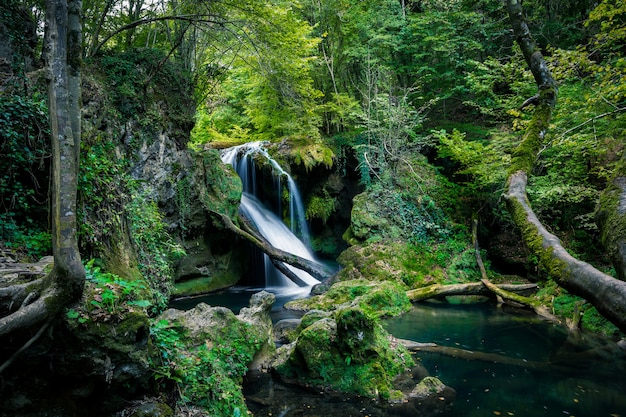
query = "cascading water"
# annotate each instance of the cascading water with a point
(295, 239)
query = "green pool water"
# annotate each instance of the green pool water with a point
(549, 371)
(555, 373)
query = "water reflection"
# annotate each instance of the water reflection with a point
(575, 375)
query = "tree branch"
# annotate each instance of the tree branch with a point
(192, 18)
(316, 270)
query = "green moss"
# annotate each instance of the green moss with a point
(308, 153)
(523, 158)
(207, 364)
(351, 353)
(204, 285)
(611, 220)
(321, 207)
(222, 183)
(376, 299)
(568, 306)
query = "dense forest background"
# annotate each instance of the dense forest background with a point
(399, 119)
(379, 88)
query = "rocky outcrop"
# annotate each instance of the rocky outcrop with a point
(349, 352)
(207, 350)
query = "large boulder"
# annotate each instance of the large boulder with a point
(348, 352)
(207, 350)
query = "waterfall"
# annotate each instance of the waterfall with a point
(294, 239)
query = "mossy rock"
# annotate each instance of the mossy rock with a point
(223, 187)
(350, 353)
(308, 152)
(389, 260)
(376, 299)
(390, 213)
(207, 350)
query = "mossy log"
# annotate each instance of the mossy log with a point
(606, 293)
(472, 288)
(316, 270)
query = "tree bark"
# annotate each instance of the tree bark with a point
(606, 293)
(611, 219)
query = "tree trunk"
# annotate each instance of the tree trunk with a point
(65, 282)
(64, 62)
(472, 288)
(606, 293)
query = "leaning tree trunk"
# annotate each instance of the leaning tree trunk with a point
(65, 282)
(606, 293)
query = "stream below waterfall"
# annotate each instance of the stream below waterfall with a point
(555, 374)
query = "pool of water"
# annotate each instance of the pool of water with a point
(548, 371)
(235, 298)
(534, 368)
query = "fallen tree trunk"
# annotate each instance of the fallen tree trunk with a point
(470, 354)
(316, 270)
(606, 293)
(472, 288)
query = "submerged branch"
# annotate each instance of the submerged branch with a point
(470, 354)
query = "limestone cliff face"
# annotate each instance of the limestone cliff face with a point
(151, 159)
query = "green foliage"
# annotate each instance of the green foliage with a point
(389, 133)
(321, 207)
(24, 164)
(107, 297)
(157, 251)
(571, 307)
(264, 89)
(142, 79)
(482, 163)
(102, 193)
(208, 375)
(112, 206)
(113, 291)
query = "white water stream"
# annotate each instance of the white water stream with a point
(269, 224)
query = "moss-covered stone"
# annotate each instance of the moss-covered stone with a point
(309, 153)
(207, 350)
(351, 353)
(222, 192)
(377, 299)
